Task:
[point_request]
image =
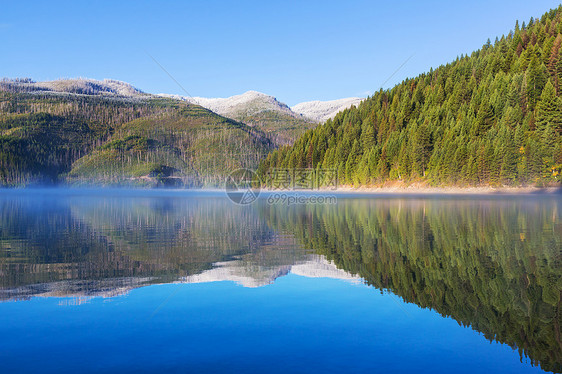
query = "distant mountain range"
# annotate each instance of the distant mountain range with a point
(270, 115)
(239, 107)
(274, 118)
(252, 103)
(85, 131)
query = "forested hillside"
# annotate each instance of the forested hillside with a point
(493, 117)
(117, 139)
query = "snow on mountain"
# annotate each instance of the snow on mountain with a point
(253, 102)
(91, 87)
(83, 86)
(321, 111)
(239, 106)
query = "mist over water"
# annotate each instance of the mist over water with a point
(188, 281)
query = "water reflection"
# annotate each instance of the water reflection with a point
(492, 264)
(104, 246)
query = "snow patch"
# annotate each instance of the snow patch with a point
(81, 86)
(321, 111)
(248, 104)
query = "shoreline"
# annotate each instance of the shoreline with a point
(424, 190)
(341, 190)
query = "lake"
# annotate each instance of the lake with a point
(188, 282)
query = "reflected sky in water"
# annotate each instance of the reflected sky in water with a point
(115, 281)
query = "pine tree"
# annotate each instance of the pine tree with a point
(553, 62)
(352, 161)
(536, 80)
(509, 154)
(557, 72)
(421, 149)
(485, 119)
(549, 109)
(367, 136)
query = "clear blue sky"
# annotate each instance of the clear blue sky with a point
(296, 51)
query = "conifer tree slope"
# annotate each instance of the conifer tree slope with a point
(493, 117)
(78, 139)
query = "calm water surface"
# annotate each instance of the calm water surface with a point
(156, 281)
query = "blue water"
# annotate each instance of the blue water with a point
(290, 324)
(296, 325)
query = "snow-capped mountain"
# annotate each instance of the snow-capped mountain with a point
(247, 104)
(249, 107)
(241, 106)
(321, 111)
(252, 103)
(281, 124)
(256, 109)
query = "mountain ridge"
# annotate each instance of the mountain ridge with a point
(316, 110)
(231, 107)
(256, 109)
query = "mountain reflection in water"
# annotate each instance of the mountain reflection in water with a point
(494, 264)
